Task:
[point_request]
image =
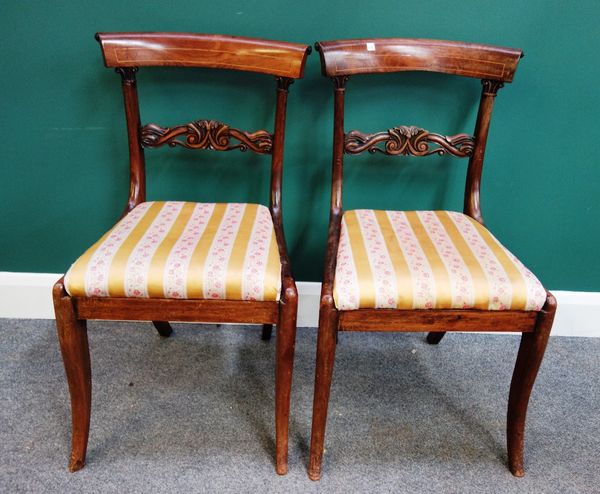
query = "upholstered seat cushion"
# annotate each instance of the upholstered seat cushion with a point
(427, 260)
(183, 250)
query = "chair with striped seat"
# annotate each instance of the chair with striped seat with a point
(433, 271)
(184, 261)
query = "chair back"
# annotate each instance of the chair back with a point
(126, 52)
(344, 58)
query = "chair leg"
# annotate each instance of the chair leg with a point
(433, 338)
(529, 358)
(163, 327)
(326, 343)
(267, 330)
(286, 339)
(72, 336)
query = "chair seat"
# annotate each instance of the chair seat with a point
(183, 250)
(428, 260)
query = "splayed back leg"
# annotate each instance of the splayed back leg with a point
(163, 327)
(433, 338)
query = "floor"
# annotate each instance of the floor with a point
(194, 413)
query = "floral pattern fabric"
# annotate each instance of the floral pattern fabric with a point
(428, 260)
(183, 250)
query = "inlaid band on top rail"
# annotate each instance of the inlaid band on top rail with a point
(366, 56)
(275, 58)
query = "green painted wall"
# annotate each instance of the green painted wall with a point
(63, 172)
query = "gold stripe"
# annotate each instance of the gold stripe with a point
(481, 286)
(156, 270)
(519, 291)
(76, 279)
(235, 267)
(195, 281)
(443, 290)
(366, 285)
(272, 281)
(116, 274)
(404, 282)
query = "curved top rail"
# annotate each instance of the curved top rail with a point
(367, 56)
(276, 58)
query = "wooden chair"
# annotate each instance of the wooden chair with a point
(181, 261)
(432, 271)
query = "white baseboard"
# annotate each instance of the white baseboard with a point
(29, 296)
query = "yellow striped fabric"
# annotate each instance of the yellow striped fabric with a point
(183, 250)
(428, 260)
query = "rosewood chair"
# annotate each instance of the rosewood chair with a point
(183, 261)
(432, 271)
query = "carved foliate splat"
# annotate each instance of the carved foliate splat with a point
(207, 134)
(409, 140)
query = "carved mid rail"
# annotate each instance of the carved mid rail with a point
(207, 134)
(409, 140)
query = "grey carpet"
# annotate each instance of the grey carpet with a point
(194, 413)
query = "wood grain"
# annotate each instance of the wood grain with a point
(137, 162)
(432, 320)
(74, 348)
(368, 56)
(163, 309)
(529, 359)
(214, 51)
